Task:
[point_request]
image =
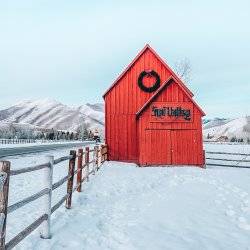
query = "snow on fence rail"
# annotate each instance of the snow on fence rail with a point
(83, 162)
(237, 161)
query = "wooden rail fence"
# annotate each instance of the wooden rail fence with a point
(16, 141)
(83, 163)
(26, 141)
(235, 162)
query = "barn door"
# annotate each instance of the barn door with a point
(184, 147)
(157, 147)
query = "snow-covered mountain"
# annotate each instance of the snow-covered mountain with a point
(231, 128)
(47, 113)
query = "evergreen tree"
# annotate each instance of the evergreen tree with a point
(233, 139)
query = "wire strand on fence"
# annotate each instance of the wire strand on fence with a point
(27, 200)
(29, 169)
(23, 234)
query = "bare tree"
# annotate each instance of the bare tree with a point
(183, 69)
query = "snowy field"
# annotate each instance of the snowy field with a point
(126, 207)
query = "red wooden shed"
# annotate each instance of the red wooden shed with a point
(150, 116)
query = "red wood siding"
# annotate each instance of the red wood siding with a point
(157, 147)
(185, 138)
(122, 103)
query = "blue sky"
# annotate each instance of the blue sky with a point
(72, 51)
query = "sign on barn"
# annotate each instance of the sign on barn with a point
(151, 117)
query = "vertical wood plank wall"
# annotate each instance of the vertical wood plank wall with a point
(186, 137)
(121, 105)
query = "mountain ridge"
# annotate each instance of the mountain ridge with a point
(49, 113)
(237, 128)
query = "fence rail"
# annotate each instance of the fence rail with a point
(29, 169)
(17, 141)
(26, 141)
(226, 153)
(236, 161)
(83, 163)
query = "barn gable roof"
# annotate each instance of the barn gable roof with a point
(166, 84)
(160, 59)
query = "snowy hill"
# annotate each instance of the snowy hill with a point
(47, 113)
(239, 128)
(214, 122)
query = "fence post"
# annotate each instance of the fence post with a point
(204, 159)
(95, 159)
(71, 178)
(48, 181)
(79, 170)
(87, 162)
(102, 154)
(99, 157)
(4, 193)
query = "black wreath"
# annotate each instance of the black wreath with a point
(155, 86)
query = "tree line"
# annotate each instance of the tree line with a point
(13, 131)
(232, 139)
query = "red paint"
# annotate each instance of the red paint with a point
(133, 135)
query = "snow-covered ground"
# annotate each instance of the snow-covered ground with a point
(126, 207)
(24, 185)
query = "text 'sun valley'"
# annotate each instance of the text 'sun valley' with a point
(170, 111)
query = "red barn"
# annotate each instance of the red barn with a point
(150, 116)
